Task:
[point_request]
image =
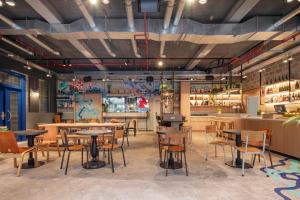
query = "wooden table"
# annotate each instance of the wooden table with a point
(54, 127)
(30, 135)
(172, 163)
(94, 163)
(238, 143)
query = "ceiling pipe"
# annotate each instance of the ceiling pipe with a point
(37, 41)
(179, 12)
(52, 17)
(263, 46)
(25, 62)
(89, 18)
(130, 21)
(284, 19)
(16, 45)
(166, 25)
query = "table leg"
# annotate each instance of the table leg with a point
(172, 163)
(94, 163)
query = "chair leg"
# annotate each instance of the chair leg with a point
(265, 162)
(48, 153)
(112, 162)
(224, 153)
(42, 150)
(20, 165)
(123, 156)
(259, 158)
(58, 150)
(270, 156)
(68, 159)
(243, 167)
(82, 157)
(185, 163)
(254, 158)
(87, 158)
(233, 156)
(62, 159)
(127, 140)
(167, 163)
(215, 151)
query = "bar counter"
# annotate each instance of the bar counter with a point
(285, 139)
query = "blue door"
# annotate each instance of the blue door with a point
(10, 109)
(2, 109)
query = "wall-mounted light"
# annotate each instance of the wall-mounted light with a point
(261, 70)
(34, 94)
(49, 75)
(202, 1)
(105, 2)
(9, 3)
(244, 77)
(94, 2)
(160, 63)
(27, 67)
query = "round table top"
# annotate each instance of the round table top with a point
(235, 132)
(31, 132)
(93, 132)
(168, 132)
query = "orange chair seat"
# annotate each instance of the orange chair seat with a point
(110, 146)
(249, 150)
(174, 148)
(76, 148)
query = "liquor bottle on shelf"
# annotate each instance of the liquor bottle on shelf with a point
(297, 85)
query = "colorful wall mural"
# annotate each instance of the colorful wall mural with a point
(88, 107)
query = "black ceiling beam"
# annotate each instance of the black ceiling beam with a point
(170, 58)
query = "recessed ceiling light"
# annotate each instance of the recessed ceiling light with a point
(94, 2)
(202, 1)
(160, 63)
(10, 2)
(105, 2)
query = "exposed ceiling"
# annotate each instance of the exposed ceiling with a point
(180, 52)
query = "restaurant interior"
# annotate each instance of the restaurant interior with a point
(149, 99)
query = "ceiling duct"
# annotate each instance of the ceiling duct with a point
(16, 45)
(22, 60)
(130, 21)
(148, 6)
(37, 41)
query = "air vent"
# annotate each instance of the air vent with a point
(148, 6)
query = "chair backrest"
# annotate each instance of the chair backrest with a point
(8, 143)
(175, 138)
(258, 137)
(209, 129)
(165, 128)
(64, 137)
(268, 136)
(50, 135)
(189, 133)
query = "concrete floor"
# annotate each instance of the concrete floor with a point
(141, 179)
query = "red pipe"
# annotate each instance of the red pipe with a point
(258, 50)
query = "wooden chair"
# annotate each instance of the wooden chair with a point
(8, 145)
(252, 137)
(69, 148)
(132, 127)
(176, 144)
(114, 144)
(127, 132)
(161, 139)
(213, 139)
(46, 141)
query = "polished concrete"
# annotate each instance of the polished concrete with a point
(141, 179)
